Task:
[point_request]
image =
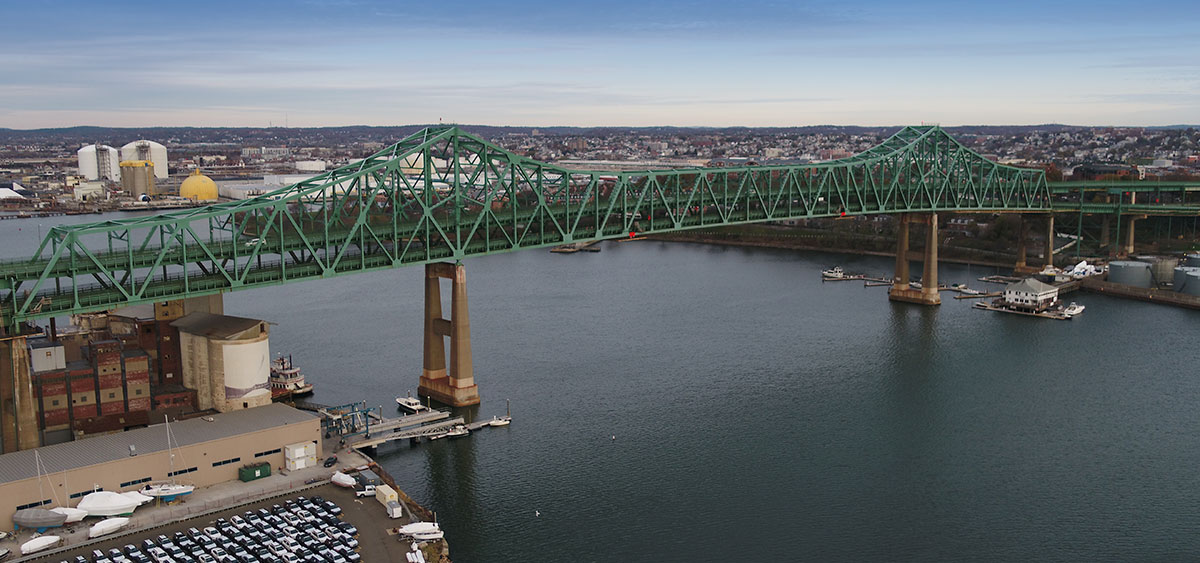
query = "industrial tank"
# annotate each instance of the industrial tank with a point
(1179, 279)
(98, 162)
(1192, 287)
(1192, 260)
(149, 151)
(1136, 274)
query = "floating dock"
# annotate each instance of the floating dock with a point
(1056, 315)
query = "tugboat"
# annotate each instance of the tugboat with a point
(286, 379)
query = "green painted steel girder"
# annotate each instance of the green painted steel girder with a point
(442, 194)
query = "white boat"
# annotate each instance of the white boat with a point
(458, 431)
(286, 379)
(39, 543)
(72, 514)
(834, 273)
(107, 526)
(506, 419)
(410, 404)
(423, 531)
(1073, 309)
(106, 503)
(168, 489)
(136, 496)
(342, 480)
(4, 553)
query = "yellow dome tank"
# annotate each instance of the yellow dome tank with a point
(198, 187)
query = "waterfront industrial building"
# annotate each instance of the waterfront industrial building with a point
(207, 451)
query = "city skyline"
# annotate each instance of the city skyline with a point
(350, 62)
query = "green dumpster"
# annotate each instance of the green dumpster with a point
(256, 471)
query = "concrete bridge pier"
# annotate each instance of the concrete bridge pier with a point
(901, 290)
(1127, 248)
(1048, 253)
(456, 386)
(1022, 265)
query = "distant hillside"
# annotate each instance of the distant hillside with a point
(329, 136)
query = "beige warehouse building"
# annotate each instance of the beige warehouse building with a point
(209, 450)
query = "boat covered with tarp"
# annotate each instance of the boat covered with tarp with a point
(107, 503)
(38, 518)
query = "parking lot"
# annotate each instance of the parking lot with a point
(280, 527)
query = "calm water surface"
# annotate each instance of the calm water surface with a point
(761, 415)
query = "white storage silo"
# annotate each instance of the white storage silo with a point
(150, 151)
(99, 162)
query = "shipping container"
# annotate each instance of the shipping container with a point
(47, 356)
(385, 494)
(296, 451)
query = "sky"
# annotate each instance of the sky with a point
(598, 63)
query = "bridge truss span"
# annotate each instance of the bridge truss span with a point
(442, 194)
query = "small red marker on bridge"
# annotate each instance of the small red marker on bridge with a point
(632, 234)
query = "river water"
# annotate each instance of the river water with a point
(682, 402)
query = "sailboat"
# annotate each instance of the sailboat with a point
(39, 518)
(168, 489)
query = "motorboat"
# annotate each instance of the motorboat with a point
(107, 503)
(423, 531)
(39, 543)
(1073, 309)
(410, 404)
(38, 518)
(343, 480)
(107, 526)
(4, 553)
(458, 431)
(73, 514)
(507, 418)
(136, 496)
(834, 273)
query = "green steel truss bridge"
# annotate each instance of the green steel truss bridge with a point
(444, 195)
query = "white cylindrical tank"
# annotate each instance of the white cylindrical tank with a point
(147, 150)
(98, 162)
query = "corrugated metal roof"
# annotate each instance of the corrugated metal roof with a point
(101, 449)
(216, 326)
